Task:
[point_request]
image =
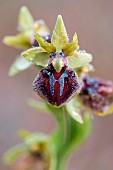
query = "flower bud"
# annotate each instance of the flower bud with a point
(97, 94)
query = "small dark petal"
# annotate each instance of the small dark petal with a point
(57, 88)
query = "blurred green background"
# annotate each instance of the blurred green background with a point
(93, 21)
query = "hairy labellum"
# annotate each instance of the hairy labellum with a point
(56, 87)
(97, 94)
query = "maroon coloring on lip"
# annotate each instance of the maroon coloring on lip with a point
(56, 88)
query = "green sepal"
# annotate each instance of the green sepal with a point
(13, 153)
(73, 108)
(79, 59)
(48, 47)
(25, 19)
(69, 49)
(19, 65)
(59, 36)
(36, 55)
(18, 41)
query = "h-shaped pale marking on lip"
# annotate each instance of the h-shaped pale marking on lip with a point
(52, 82)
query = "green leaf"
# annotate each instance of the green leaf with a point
(79, 132)
(69, 49)
(12, 154)
(18, 41)
(79, 59)
(19, 65)
(41, 106)
(37, 56)
(25, 19)
(73, 108)
(48, 47)
(59, 36)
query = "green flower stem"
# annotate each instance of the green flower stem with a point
(69, 135)
(60, 137)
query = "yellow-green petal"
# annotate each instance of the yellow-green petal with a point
(69, 49)
(48, 47)
(59, 36)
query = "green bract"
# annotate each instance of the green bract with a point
(73, 107)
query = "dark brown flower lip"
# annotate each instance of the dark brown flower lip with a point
(56, 88)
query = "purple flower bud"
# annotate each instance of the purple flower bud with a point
(97, 94)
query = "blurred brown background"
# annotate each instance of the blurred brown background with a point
(93, 21)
